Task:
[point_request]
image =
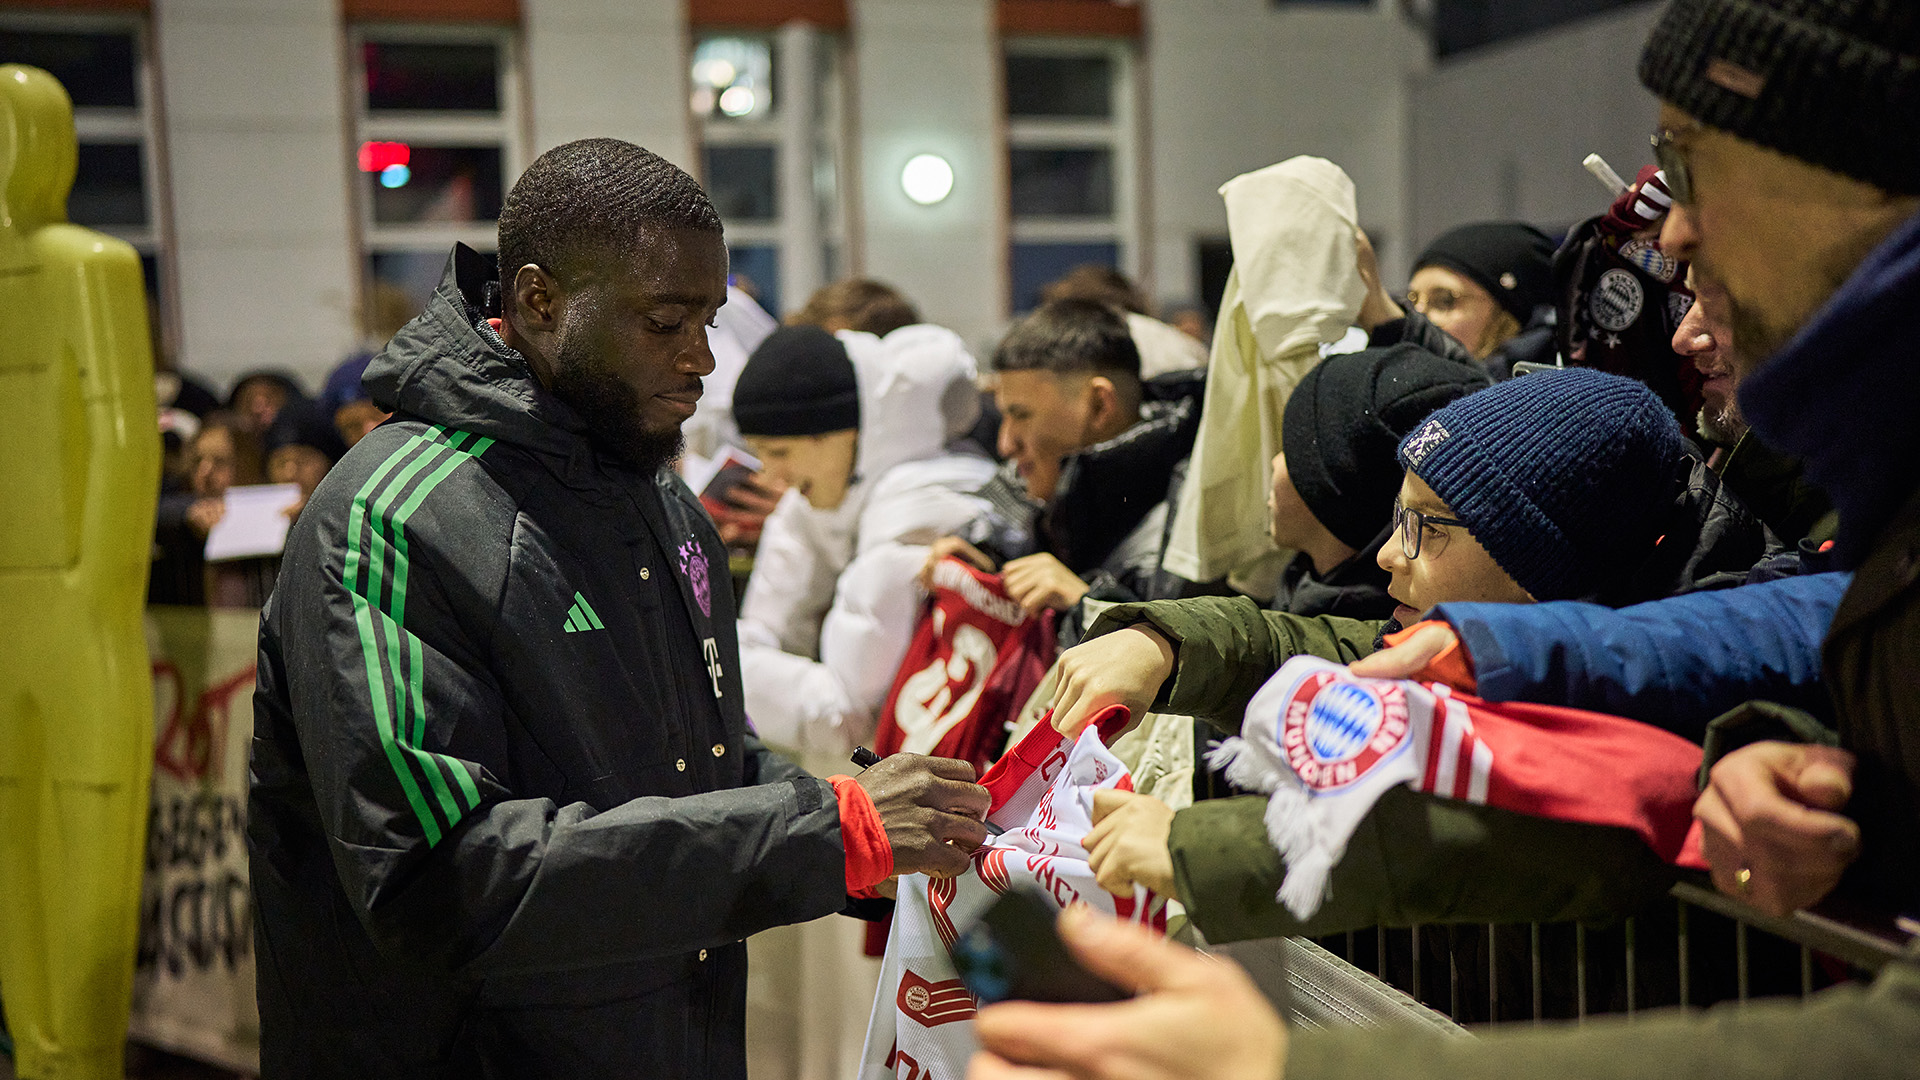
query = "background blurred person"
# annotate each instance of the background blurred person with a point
(220, 456)
(856, 427)
(1095, 453)
(1772, 484)
(301, 446)
(856, 304)
(258, 396)
(1486, 284)
(1163, 348)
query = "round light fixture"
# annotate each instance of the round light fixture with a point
(927, 179)
(736, 101)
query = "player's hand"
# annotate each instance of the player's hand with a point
(1197, 1017)
(1126, 667)
(1039, 582)
(1770, 823)
(932, 810)
(1128, 844)
(951, 546)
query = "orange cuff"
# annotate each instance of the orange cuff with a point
(1453, 666)
(869, 853)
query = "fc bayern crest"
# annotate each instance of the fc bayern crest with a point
(1334, 732)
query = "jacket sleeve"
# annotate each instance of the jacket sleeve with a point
(793, 577)
(1676, 663)
(1226, 647)
(1416, 858)
(400, 726)
(1851, 1032)
(831, 704)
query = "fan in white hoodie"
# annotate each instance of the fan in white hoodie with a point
(858, 425)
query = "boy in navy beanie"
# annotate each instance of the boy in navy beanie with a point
(1545, 487)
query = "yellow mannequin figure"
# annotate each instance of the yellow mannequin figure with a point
(79, 474)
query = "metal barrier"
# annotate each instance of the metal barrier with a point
(1706, 949)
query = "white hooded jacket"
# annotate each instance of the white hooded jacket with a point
(838, 585)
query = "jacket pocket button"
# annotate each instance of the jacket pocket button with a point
(645, 573)
(680, 764)
(719, 749)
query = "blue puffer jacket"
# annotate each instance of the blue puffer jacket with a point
(1674, 663)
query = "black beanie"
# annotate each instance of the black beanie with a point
(1835, 83)
(1512, 260)
(798, 382)
(1345, 422)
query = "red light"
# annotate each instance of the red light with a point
(376, 156)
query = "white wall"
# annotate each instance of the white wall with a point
(257, 148)
(614, 68)
(925, 80)
(1235, 85)
(1500, 133)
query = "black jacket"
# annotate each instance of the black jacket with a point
(507, 818)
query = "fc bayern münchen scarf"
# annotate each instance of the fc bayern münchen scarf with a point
(1325, 744)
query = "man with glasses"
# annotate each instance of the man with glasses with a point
(1550, 486)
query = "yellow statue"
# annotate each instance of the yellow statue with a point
(79, 474)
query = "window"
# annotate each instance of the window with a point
(767, 109)
(437, 146)
(102, 62)
(1070, 147)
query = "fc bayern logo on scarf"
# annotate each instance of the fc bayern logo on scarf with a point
(1335, 732)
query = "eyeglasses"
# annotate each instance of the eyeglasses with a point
(1412, 525)
(1440, 301)
(1673, 163)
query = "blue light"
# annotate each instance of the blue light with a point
(394, 176)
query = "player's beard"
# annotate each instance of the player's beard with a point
(612, 410)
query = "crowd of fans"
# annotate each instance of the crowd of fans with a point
(1539, 472)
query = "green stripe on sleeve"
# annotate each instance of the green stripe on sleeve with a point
(400, 706)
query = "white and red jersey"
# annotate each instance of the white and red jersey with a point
(922, 1024)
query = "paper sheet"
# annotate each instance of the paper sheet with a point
(255, 523)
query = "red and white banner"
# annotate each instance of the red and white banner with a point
(975, 658)
(1325, 745)
(922, 1023)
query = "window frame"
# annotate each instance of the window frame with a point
(1118, 133)
(506, 129)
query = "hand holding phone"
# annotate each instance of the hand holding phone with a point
(1014, 953)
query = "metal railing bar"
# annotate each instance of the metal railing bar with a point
(1632, 957)
(1539, 987)
(1740, 958)
(1851, 944)
(1580, 971)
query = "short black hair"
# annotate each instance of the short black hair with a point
(1073, 336)
(590, 197)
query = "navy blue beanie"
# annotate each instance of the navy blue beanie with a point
(1565, 477)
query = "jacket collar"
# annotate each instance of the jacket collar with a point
(1107, 489)
(1840, 396)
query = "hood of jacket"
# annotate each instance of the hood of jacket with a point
(1840, 395)
(1107, 489)
(1356, 589)
(442, 367)
(917, 394)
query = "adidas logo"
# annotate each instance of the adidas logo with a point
(581, 616)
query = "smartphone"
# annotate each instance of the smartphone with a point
(1014, 953)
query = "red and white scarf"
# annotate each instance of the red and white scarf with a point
(1325, 745)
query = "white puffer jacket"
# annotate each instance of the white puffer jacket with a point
(831, 607)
